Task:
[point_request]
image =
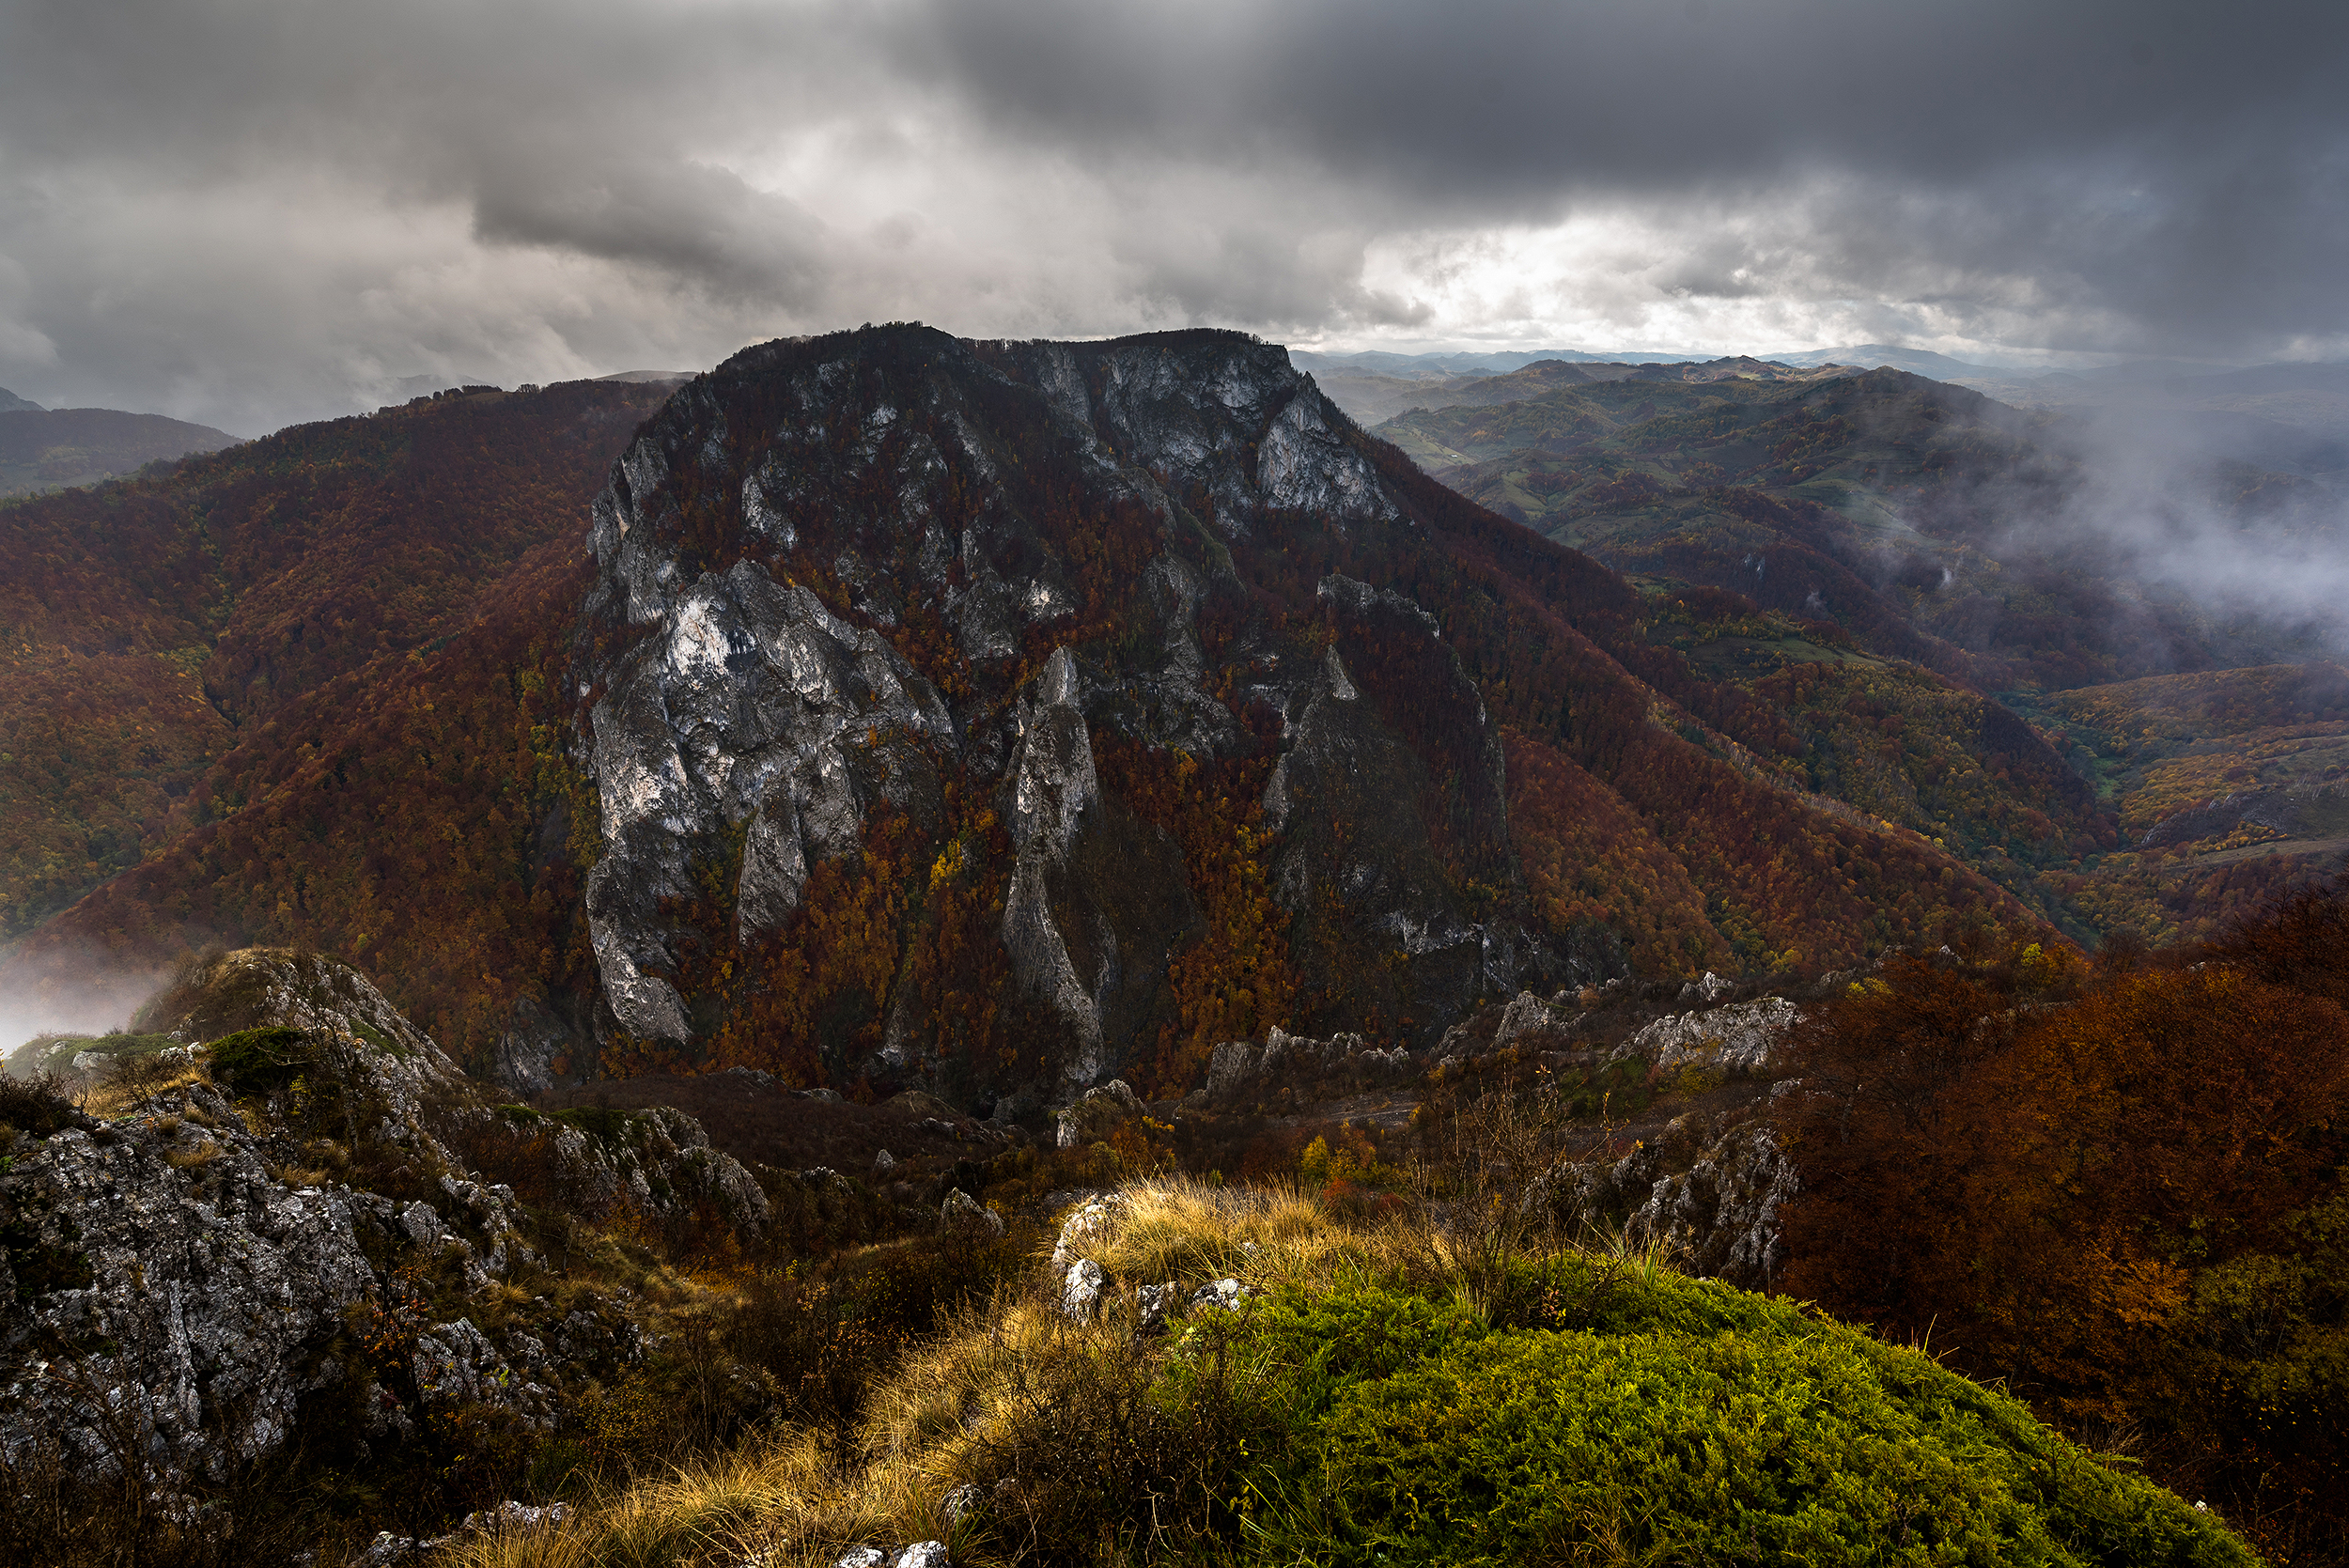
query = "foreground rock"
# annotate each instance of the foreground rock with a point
(184, 1281)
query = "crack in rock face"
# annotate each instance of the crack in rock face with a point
(863, 576)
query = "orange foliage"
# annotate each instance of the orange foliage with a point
(1587, 858)
(1234, 982)
(2113, 1201)
(411, 817)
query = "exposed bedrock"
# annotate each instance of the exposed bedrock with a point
(895, 572)
(184, 1291)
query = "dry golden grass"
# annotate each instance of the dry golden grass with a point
(135, 1080)
(779, 1503)
(928, 1425)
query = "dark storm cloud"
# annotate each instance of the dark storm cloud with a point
(2185, 165)
(244, 209)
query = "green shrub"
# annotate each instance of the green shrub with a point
(601, 1121)
(257, 1060)
(1680, 1419)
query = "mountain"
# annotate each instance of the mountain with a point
(1919, 520)
(1465, 363)
(47, 449)
(1378, 397)
(160, 628)
(1882, 499)
(1873, 356)
(12, 403)
(995, 717)
(2280, 401)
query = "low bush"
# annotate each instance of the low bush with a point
(257, 1060)
(1815, 1445)
(39, 1106)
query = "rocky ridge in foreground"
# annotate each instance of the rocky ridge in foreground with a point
(275, 1231)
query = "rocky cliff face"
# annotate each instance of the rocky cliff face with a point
(895, 583)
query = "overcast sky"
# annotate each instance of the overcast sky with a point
(251, 211)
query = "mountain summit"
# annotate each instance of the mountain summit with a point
(994, 718)
(1118, 669)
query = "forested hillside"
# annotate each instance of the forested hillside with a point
(50, 449)
(948, 516)
(156, 627)
(1906, 595)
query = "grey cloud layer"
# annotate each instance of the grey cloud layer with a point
(249, 209)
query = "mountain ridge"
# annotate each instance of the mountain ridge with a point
(1153, 545)
(46, 449)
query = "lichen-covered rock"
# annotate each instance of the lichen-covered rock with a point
(1719, 1219)
(1528, 1015)
(176, 1280)
(160, 1283)
(656, 1162)
(1740, 1040)
(1087, 1223)
(1081, 1288)
(1226, 1294)
(1711, 1196)
(961, 1211)
(1707, 989)
(1098, 1113)
(455, 1364)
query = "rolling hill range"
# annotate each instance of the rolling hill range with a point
(50, 449)
(1913, 513)
(983, 716)
(1882, 515)
(1369, 395)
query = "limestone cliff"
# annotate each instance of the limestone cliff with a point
(895, 583)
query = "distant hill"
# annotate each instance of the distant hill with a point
(12, 403)
(1897, 507)
(1898, 492)
(49, 449)
(2309, 398)
(1871, 356)
(1372, 398)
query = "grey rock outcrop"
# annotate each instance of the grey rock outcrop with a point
(1711, 1197)
(202, 1294)
(658, 1163)
(1740, 1040)
(1529, 1016)
(178, 1281)
(1099, 1112)
(750, 706)
(1241, 1071)
(840, 577)
(961, 1211)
